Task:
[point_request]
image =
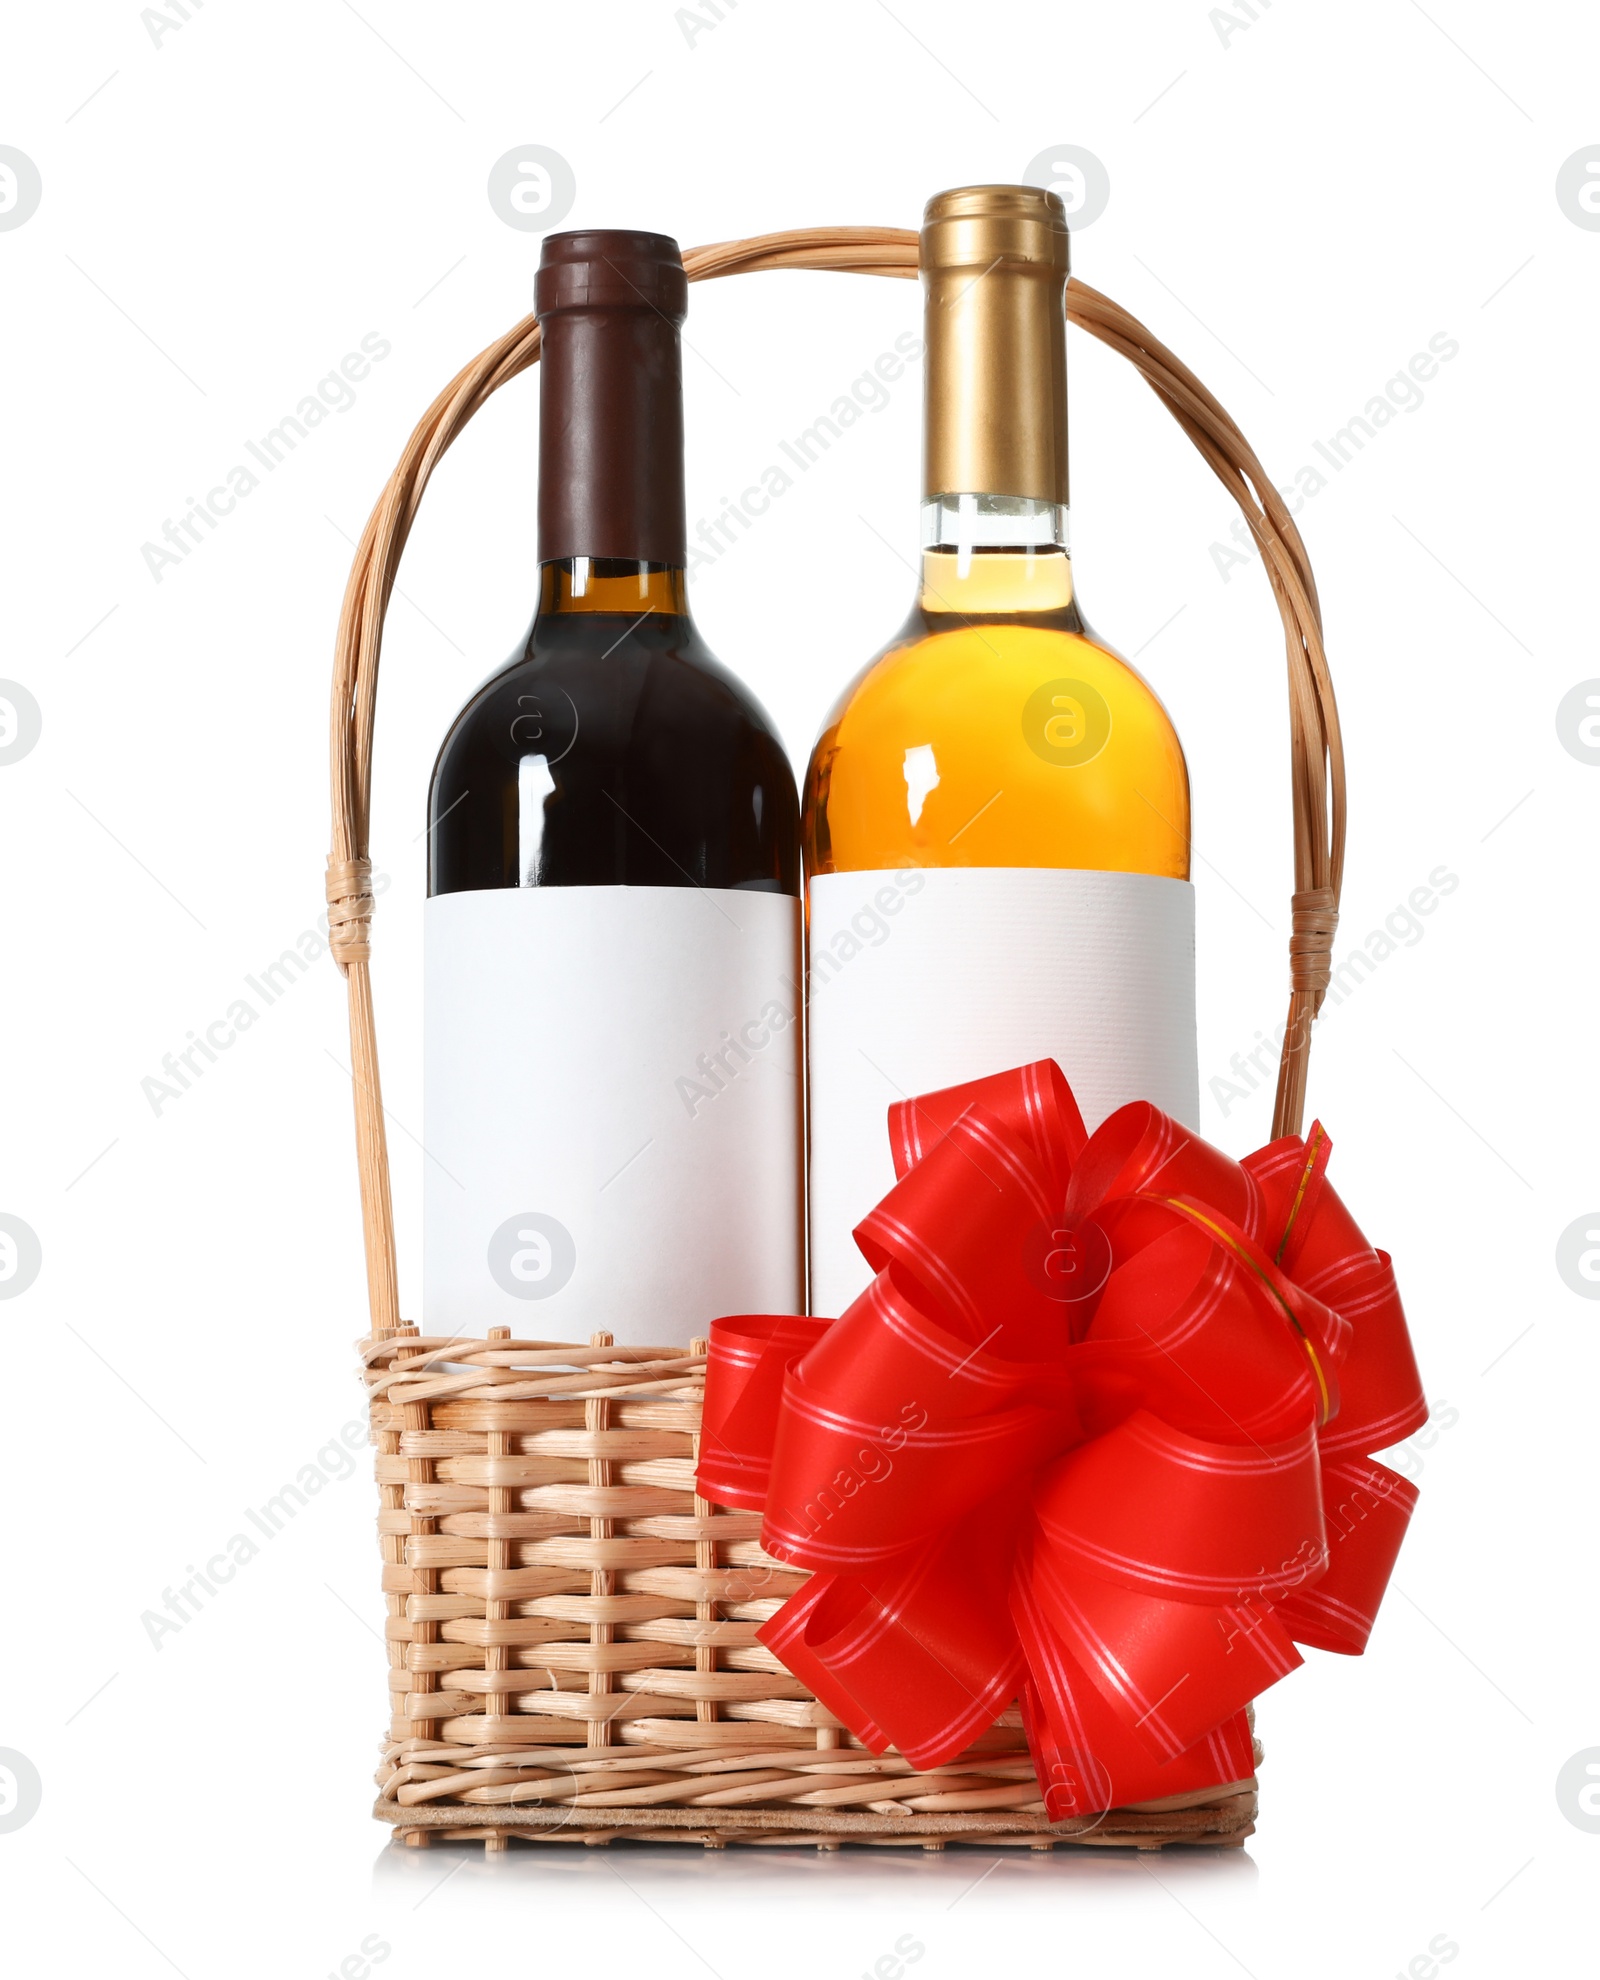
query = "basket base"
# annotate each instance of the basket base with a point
(1221, 1823)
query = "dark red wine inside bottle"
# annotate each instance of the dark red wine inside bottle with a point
(612, 1084)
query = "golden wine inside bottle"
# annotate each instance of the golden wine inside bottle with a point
(996, 814)
(948, 748)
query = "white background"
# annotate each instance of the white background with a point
(1297, 205)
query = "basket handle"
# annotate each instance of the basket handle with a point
(1316, 751)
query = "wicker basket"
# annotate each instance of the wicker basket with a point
(572, 1633)
(571, 1629)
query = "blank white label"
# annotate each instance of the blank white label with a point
(611, 1095)
(921, 978)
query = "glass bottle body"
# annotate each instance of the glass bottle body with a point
(612, 750)
(996, 730)
(612, 1066)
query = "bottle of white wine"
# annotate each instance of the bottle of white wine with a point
(612, 1061)
(996, 816)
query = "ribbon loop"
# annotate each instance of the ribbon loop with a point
(957, 1230)
(891, 1428)
(1149, 1507)
(1034, 1104)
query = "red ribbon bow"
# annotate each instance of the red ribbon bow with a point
(1097, 1436)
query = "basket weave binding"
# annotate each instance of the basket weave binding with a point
(571, 1630)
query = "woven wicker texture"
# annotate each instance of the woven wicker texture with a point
(571, 1630)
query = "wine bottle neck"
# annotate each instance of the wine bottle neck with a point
(994, 272)
(611, 399)
(571, 586)
(994, 554)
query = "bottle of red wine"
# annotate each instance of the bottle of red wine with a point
(612, 1059)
